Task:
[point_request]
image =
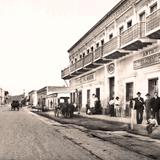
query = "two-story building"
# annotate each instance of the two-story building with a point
(118, 56)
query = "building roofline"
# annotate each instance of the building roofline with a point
(97, 24)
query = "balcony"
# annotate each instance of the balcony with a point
(134, 38)
(98, 56)
(88, 60)
(79, 65)
(111, 50)
(65, 74)
(73, 69)
(153, 25)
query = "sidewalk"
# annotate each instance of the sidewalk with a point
(108, 118)
(103, 122)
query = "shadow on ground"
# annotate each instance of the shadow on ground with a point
(89, 123)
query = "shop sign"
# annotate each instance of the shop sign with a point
(85, 79)
(147, 61)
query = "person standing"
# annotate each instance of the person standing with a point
(148, 106)
(155, 106)
(111, 106)
(139, 107)
(117, 107)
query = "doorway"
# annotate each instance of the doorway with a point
(88, 96)
(98, 93)
(129, 96)
(111, 87)
(152, 86)
(80, 98)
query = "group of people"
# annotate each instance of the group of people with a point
(95, 106)
(151, 106)
(114, 107)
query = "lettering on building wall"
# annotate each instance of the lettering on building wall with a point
(151, 51)
(147, 61)
(85, 79)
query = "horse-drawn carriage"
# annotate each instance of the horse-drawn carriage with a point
(64, 108)
(15, 105)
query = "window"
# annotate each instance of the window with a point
(153, 8)
(121, 29)
(92, 49)
(87, 51)
(111, 36)
(83, 54)
(97, 45)
(142, 17)
(75, 59)
(71, 62)
(102, 42)
(80, 56)
(129, 24)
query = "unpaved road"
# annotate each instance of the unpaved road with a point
(26, 136)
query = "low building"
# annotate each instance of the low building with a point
(43, 94)
(33, 99)
(52, 99)
(2, 96)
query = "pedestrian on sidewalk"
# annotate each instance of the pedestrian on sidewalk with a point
(152, 123)
(139, 107)
(155, 106)
(147, 103)
(111, 106)
(88, 111)
(93, 102)
(117, 107)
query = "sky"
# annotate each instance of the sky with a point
(35, 36)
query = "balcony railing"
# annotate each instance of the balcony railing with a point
(153, 21)
(88, 59)
(65, 73)
(73, 68)
(98, 53)
(79, 64)
(133, 33)
(110, 45)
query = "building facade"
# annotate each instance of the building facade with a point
(52, 99)
(33, 100)
(46, 94)
(2, 96)
(118, 56)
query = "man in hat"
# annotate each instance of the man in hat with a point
(139, 106)
(155, 106)
(148, 106)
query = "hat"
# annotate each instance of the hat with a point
(147, 94)
(138, 93)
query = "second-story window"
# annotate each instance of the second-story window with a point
(97, 45)
(110, 36)
(102, 42)
(153, 8)
(129, 24)
(121, 29)
(87, 51)
(142, 17)
(92, 49)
